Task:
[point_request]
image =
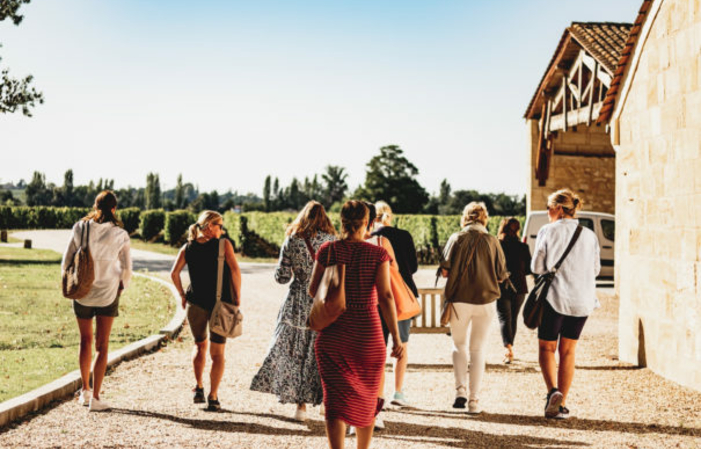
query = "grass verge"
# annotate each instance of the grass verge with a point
(38, 331)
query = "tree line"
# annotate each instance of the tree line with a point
(390, 176)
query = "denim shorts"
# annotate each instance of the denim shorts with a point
(404, 329)
(554, 325)
(87, 312)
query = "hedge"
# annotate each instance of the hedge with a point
(151, 223)
(236, 227)
(176, 226)
(131, 218)
(40, 217)
(270, 226)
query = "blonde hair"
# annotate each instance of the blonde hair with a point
(310, 220)
(567, 199)
(384, 213)
(353, 214)
(206, 218)
(475, 211)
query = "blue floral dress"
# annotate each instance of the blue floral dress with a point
(289, 371)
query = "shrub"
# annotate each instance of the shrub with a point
(235, 225)
(421, 227)
(270, 226)
(130, 216)
(40, 217)
(176, 225)
(151, 223)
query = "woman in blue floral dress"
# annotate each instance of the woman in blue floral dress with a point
(289, 371)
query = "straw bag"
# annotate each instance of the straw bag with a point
(78, 277)
(226, 319)
(330, 298)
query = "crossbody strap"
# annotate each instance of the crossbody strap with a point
(577, 232)
(220, 267)
(310, 248)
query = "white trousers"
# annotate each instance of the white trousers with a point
(480, 317)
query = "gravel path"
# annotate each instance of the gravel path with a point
(615, 405)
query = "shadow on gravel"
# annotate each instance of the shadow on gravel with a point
(571, 423)
(314, 428)
(611, 368)
(462, 438)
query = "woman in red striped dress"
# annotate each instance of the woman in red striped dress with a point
(350, 352)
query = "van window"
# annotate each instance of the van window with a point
(587, 223)
(608, 228)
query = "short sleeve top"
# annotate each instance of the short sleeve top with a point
(362, 261)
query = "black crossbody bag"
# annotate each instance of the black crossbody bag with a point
(533, 309)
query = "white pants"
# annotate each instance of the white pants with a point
(481, 317)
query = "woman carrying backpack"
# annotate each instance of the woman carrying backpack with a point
(201, 254)
(109, 247)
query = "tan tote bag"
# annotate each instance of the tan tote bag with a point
(226, 319)
(78, 277)
(330, 298)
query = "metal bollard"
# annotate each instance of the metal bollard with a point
(28, 244)
(3, 236)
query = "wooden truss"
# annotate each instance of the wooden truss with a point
(577, 100)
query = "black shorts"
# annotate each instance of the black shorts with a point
(87, 312)
(198, 319)
(554, 325)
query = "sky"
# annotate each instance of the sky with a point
(227, 92)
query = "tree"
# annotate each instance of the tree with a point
(153, 191)
(266, 194)
(16, 93)
(335, 186)
(444, 193)
(391, 177)
(37, 193)
(179, 193)
(67, 189)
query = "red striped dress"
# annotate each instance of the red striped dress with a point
(351, 352)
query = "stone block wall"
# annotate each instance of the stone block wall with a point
(574, 165)
(658, 200)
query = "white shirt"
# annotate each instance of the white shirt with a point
(110, 251)
(573, 290)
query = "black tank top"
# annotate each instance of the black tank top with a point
(202, 265)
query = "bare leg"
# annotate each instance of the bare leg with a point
(102, 340)
(565, 373)
(85, 355)
(199, 359)
(336, 433)
(546, 358)
(364, 436)
(216, 351)
(400, 368)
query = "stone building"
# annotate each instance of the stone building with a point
(569, 146)
(654, 111)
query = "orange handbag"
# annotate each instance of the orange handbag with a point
(406, 303)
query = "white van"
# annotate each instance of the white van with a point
(603, 225)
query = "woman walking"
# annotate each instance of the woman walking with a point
(350, 352)
(474, 265)
(109, 247)
(289, 371)
(518, 262)
(200, 254)
(405, 259)
(571, 298)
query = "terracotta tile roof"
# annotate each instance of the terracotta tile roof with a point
(604, 41)
(626, 54)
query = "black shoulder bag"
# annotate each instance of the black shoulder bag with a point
(533, 309)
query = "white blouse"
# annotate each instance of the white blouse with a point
(110, 251)
(573, 291)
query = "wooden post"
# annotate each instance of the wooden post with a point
(3, 236)
(28, 244)
(565, 88)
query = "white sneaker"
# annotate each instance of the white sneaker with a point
(300, 415)
(351, 430)
(379, 424)
(97, 405)
(84, 398)
(473, 407)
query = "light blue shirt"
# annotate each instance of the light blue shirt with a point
(573, 290)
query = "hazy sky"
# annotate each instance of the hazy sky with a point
(226, 92)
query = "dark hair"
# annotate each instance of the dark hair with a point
(105, 201)
(372, 213)
(509, 228)
(353, 213)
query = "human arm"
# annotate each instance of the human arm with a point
(283, 270)
(388, 308)
(234, 270)
(178, 266)
(71, 248)
(500, 263)
(447, 255)
(125, 262)
(597, 256)
(538, 262)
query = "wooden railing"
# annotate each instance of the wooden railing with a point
(429, 322)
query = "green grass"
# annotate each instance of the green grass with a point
(164, 248)
(38, 331)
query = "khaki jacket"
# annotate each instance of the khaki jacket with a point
(476, 282)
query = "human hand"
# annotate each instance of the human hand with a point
(397, 348)
(183, 300)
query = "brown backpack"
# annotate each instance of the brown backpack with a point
(78, 277)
